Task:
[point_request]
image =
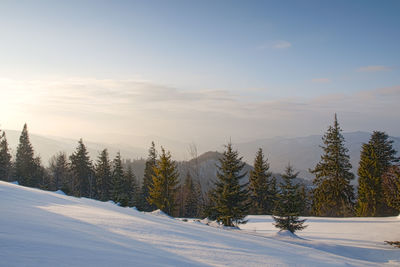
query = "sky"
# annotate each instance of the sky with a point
(198, 71)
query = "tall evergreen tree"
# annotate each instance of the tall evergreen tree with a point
(290, 203)
(376, 158)
(26, 167)
(103, 176)
(369, 188)
(5, 158)
(333, 194)
(151, 162)
(60, 174)
(384, 151)
(231, 199)
(391, 187)
(261, 186)
(162, 191)
(83, 184)
(133, 187)
(191, 197)
(119, 186)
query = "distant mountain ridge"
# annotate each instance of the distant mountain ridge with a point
(302, 152)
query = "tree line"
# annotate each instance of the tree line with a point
(231, 198)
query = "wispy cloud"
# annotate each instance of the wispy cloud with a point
(281, 44)
(277, 44)
(374, 68)
(321, 80)
(88, 106)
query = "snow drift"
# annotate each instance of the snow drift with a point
(39, 228)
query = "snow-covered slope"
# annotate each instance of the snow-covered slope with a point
(39, 228)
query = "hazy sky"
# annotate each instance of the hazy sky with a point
(199, 71)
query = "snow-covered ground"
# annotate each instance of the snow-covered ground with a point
(39, 228)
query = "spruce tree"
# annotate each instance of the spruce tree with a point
(133, 187)
(162, 191)
(290, 203)
(119, 185)
(384, 151)
(261, 186)
(151, 162)
(369, 180)
(103, 176)
(5, 158)
(231, 199)
(83, 184)
(376, 158)
(26, 167)
(191, 197)
(60, 174)
(391, 187)
(333, 194)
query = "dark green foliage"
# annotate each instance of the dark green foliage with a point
(27, 170)
(391, 187)
(369, 180)
(333, 194)
(83, 182)
(290, 203)
(5, 158)
(384, 150)
(376, 158)
(208, 207)
(162, 191)
(103, 176)
(191, 198)
(231, 199)
(119, 186)
(60, 176)
(262, 188)
(133, 187)
(151, 161)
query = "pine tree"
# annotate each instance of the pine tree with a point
(162, 191)
(369, 180)
(191, 197)
(384, 151)
(231, 199)
(103, 176)
(60, 174)
(41, 175)
(133, 187)
(376, 158)
(333, 194)
(119, 186)
(83, 184)
(26, 167)
(391, 187)
(151, 162)
(290, 203)
(261, 186)
(5, 158)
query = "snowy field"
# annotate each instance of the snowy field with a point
(39, 228)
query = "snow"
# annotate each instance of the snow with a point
(40, 228)
(60, 192)
(160, 213)
(285, 234)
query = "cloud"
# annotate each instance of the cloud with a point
(278, 44)
(281, 44)
(321, 80)
(88, 107)
(374, 68)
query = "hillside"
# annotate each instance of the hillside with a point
(302, 152)
(40, 228)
